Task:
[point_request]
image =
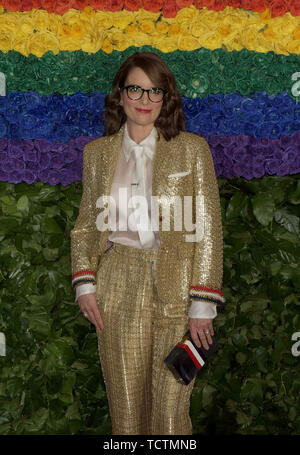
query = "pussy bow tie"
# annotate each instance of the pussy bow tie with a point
(139, 189)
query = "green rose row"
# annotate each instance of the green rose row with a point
(198, 73)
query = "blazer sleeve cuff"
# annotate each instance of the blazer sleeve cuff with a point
(202, 310)
(83, 277)
(207, 294)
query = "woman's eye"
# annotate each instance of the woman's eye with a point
(134, 89)
(156, 91)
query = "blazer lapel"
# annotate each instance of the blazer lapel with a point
(160, 166)
(108, 171)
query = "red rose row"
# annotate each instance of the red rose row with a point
(277, 7)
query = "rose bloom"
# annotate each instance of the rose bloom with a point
(167, 44)
(144, 15)
(284, 26)
(19, 45)
(153, 5)
(107, 46)
(103, 20)
(198, 29)
(77, 4)
(63, 6)
(72, 17)
(266, 16)
(92, 41)
(117, 38)
(186, 16)
(99, 4)
(295, 7)
(147, 26)
(235, 3)
(174, 30)
(27, 5)
(162, 27)
(27, 25)
(134, 37)
(48, 5)
(170, 9)
(218, 5)
(188, 43)
(133, 5)
(115, 5)
(132, 30)
(278, 7)
(200, 3)
(42, 42)
(255, 5)
(36, 4)
(12, 5)
(183, 3)
(121, 19)
(211, 41)
(41, 19)
(224, 30)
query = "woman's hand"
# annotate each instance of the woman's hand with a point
(197, 328)
(88, 305)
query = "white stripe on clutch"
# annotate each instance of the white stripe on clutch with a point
(195, 352)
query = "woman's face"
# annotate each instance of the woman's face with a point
(141, 112)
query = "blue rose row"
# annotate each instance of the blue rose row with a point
(56, 162)
(56, 117)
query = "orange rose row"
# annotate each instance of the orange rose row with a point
(169, 8)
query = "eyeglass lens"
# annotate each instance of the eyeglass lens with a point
(136, 93)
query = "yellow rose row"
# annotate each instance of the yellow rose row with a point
(37, 31)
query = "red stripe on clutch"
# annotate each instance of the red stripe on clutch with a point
(190, 353)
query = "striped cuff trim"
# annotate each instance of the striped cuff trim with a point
(84, 272)
(74, 285)
(207, 289)
(206, 294)
(208, 299)
(85, 276)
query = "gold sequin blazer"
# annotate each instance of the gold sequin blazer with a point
(186, 271)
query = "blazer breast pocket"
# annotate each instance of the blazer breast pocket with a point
(179, 174)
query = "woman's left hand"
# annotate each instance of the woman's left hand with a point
(198, 327)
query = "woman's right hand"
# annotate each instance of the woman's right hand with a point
(88, 305)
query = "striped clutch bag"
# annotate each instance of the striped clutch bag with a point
(186, 359)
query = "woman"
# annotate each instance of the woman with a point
(141, 282)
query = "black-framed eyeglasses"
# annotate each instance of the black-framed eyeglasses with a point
(135, 92)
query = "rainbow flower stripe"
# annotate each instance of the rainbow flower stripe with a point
(168, 8)
(83, 277)
(207, 294)
(37, 32)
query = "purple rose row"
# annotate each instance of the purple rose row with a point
(39, 160)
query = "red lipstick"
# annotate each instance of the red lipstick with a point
(144, 111)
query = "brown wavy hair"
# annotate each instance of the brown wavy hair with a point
(171, 119)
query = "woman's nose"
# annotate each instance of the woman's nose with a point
(145, 99)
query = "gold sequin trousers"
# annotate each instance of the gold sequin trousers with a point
(144, 397)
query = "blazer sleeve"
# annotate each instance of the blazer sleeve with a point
(85, 236)
(207, 273)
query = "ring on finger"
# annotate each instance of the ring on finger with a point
(85, 315)
(207, 332)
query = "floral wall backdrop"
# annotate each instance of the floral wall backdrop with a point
(237, 64)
